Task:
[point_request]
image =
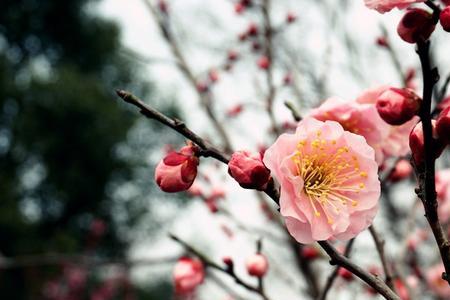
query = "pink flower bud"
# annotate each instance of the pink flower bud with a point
(416, 143)
(257, 265)
(248, 170)
(310, 252)
(239, 8)
(416, 25)
(263, 62)
(187, 275)
(397, 106)
(444, 18)
(402, 170)
(345, 274)
(235, 110)
(443, 125)
(202, 87)
(177, 171)
(213, 75)
(290, 18)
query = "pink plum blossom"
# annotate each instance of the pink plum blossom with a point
(383, 6)
(438, 285)
(187, 275)
(328, 178)
(358, 118)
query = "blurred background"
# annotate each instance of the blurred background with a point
(80, 214)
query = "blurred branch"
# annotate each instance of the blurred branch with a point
(379, 244)
(294, 112)
(204, 96)
(332, 277)
(268, 31)
(426, 171)
(271, 191)
(208, 263)
(50, 259)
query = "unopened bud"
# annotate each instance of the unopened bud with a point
(398, 106)
(345, 274)
(416, 143)
(263, 62)
(416, 26)
(444, 18)
(249, 170)
(443, 126)
(257, 265)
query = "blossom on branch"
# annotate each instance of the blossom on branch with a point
(257, 265)
(249, 170)
(328, 178)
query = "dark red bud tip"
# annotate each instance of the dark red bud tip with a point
(444, 18)
(417, 25)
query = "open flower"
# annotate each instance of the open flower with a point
(383, 6)
(328, 178)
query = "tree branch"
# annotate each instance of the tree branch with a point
(426, 172)
(379, 244)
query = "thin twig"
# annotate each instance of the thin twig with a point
(332, 277)
(209, 263)
(379, 244)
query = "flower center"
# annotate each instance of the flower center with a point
(329, 173)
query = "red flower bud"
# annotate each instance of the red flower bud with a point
(444, 18)
(187, 275)
(416, 143)
(402, 170)
(249, 170)
(239, 8)
(257, 265)
(382, 42)
(235, 110)
(232, 55)
(397, 106)
(290, 17)
(162, 5)
(416, 25)
(252, 29)
(310, 252)
(177, 171)
(263, 62)
(345, 274)
(443, 125)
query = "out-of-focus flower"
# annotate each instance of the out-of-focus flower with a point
(177, 171)
(443, 194)
(358, 118)
(402, 170)
(383, 6)
(310, 252)
(401, 289)
(444, 18)
(257, 265)
(187, 275)
(263, 62)
(235, 110)
(248, 170)
(443, 125)
(290, 17)
(416, 25)
(345, 274)
(398, 106)
(416, 143)
(436, 283)
(329, 181)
